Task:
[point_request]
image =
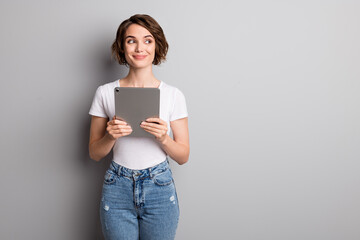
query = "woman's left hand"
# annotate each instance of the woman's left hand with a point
(156, 127)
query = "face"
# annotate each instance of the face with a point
(139, 46)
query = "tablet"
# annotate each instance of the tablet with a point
(134, 105)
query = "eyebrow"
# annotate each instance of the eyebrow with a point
(135, 37)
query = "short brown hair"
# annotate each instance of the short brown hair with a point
(161, 45)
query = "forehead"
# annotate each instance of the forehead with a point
(137, 31)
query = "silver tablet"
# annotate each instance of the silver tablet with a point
(134, 105)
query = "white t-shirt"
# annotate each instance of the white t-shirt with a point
(139, 152)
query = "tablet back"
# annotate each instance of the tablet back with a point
(135, 105)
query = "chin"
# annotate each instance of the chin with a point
(141, 65)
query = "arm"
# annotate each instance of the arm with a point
(178, 149)
(103, 135)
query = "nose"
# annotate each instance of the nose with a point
(139, 47)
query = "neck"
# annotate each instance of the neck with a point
(141, 77)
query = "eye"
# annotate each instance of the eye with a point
(131, 41)
(148, 41)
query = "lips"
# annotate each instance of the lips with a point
(139, 57)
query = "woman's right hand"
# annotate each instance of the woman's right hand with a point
(117, 128)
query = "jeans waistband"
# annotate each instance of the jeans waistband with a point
(143, 173)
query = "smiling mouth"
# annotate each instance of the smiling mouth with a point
(139, 57)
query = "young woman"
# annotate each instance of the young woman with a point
(139, 199)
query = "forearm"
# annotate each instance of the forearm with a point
(177, 151)
(101, 148)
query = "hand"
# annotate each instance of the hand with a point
(117, 128)
(156, 127)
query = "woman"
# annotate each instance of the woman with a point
(139, 198)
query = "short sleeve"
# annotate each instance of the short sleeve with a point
(179, 108)
(97, 106)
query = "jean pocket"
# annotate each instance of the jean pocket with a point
(109, 177)
(164, 178)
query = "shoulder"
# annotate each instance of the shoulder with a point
(170, 89)
(107, 88)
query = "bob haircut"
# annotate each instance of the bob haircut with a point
(161, 45)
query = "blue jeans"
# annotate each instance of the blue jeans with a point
(139, 204)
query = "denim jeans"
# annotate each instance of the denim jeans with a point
(139, 204)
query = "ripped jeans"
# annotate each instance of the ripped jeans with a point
(139, 204)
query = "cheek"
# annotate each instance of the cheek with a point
(126, 53)
(128, 50)
(151, 49)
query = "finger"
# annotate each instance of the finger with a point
(162, 122)
(120, 131)
(118, 118)
(118, 128)
(153, 125)
(118, 122)
(154, 120)
(126, 132)
(116, 136)
(155, 133)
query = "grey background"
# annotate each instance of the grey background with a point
(272, 89)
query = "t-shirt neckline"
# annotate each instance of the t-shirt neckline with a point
(118, 83)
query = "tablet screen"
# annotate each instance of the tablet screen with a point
(134, 105)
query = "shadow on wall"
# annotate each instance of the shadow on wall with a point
(95, 186)
(108, 70)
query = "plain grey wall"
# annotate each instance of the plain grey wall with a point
(272, 89)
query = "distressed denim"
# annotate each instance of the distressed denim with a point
(139, 204)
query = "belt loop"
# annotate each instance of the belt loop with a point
(119, 170)
(150, 173)
(113, 167)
